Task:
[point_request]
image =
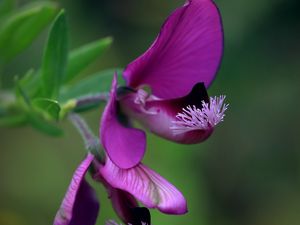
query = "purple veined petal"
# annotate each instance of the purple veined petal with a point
(146, 186)
(159, 115)
(123, 203)
(124, 145)
(79, 205)
(187, 50)
(127, 207)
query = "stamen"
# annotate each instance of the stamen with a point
(193, 118)
(141, 97)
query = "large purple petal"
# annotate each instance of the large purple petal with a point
(124, 145)
(80, 205)
(187, 50)
(147, 186)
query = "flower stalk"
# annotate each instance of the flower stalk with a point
(92, 99)
(91, 142)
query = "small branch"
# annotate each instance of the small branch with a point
(91, 141)
(82, 127)
(77, 104)
(92, 99)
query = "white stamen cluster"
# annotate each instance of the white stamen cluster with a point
(193, 118)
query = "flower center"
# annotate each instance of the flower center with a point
(192, 118)
(141, 97)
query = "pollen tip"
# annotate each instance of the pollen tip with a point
(192, 118)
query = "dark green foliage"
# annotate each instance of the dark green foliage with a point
(20, 28)
(55, 57)
(81, 57)
(36, 93)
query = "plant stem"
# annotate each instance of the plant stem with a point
(92, 144)
(92, 99)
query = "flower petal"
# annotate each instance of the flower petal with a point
(80, 205)
(158, 115)
(127, 208)
(124, 145)
(122, 203)
(146, 186)
(187, 50)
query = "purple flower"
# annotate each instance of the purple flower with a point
(125, 187)
(178, 67)
(80, 205)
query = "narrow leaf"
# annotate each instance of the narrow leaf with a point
(21, 28)
(55, 57)
(44, 126)
(29, 83)
(92, 85)
(80, 58)
(13, 120)
(21, 94)
(50, 107)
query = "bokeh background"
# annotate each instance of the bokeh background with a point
(247, 173)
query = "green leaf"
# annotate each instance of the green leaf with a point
(55, 57)
(97, 83)
(21, 94)
(80, 58)
(13, 120)
(6, 6)
(44, 126)
(50, 107)
(29, 83)
(21, 28)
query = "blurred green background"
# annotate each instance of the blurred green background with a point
(247, 173)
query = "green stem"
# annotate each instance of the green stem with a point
(92, 144)
(83, 103)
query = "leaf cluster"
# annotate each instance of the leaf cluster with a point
(44, 96)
